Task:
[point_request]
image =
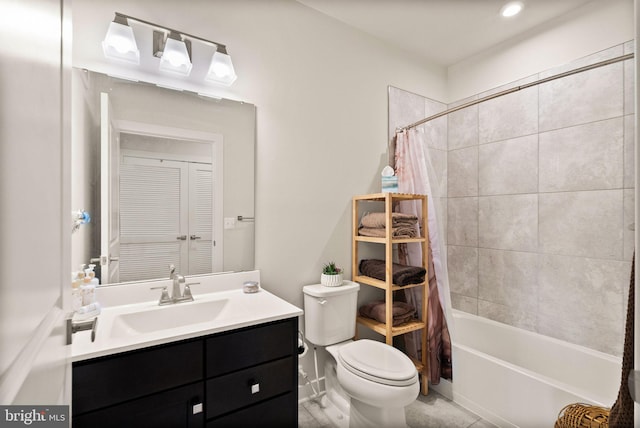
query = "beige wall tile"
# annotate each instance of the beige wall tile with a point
(583, 157)
(462, 264)
(581, 98)
(587, 224)
(507, 315)
(462, 169)
(573, 295)
(508, 222)
(508, 278)
(509, 166)
(463, 128)
(462, 221)
(464, 303)
(509, 116)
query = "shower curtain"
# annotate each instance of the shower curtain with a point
(416, 175)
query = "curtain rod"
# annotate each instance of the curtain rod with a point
(515, 89)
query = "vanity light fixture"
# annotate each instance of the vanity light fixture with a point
(171, 46)
(221, 68)
(120, 43)
(511, 9)
(175, 54)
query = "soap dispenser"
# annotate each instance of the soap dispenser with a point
(89, 286)
(76, 291)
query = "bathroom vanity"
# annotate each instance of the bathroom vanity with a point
(237, 369)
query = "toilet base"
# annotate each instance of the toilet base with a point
(345, 411)
(363, 415)
(334, 412)
(335, 401)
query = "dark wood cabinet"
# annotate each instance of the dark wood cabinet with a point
(171, 409)
(244, 377)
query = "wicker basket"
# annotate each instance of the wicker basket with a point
(582, 415)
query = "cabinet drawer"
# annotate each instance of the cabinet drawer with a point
(169, 409)
(244, 348)
(279, 412)
(233, 391)
(111, 380)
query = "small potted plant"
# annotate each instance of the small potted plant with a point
(331, 275)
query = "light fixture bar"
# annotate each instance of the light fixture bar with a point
(191, 36)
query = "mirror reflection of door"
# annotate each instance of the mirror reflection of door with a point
(166, 190)
(109, 172)
(166, 208)
(201, 243)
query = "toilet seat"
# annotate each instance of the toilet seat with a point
(378, 362)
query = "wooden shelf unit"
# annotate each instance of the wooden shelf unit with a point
(387, 329)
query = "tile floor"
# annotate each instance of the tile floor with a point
(431, 411)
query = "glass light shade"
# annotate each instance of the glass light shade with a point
(511, 9)
(120, 43)
(175, 57)
(221, 69)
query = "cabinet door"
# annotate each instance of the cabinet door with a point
(249, 386)
(236, 350)
(170, 409)
(111, 380)
(280, 412)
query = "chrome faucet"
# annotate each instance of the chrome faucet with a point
(178, 281)
(178, 295)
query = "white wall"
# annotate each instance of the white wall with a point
(596, 26)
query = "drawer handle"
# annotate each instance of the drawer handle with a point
(255, 388)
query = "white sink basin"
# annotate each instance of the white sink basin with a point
(168, 317)
(130, 321)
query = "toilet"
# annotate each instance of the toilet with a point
(367, 383)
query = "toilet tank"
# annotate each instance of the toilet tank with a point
(330, 312)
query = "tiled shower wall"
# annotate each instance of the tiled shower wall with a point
(536, 196)
(541, 204)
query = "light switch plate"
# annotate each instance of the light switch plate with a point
(255, 388)
(229, 222)
(197, 408)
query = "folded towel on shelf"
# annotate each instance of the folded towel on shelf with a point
(402, 312)
(396, 232)
(379, 220)
(402, 274)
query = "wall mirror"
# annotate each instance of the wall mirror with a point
(167, 177)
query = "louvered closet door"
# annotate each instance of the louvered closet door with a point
(201, 239)
(153, 218)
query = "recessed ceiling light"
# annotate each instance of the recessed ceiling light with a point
(511, 9)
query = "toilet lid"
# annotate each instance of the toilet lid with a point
(378, 362)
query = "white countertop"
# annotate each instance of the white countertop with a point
(236, 310)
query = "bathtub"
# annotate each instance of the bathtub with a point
(517, 378)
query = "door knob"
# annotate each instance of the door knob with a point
(182, 237)
(103, 260)
(193, 237)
